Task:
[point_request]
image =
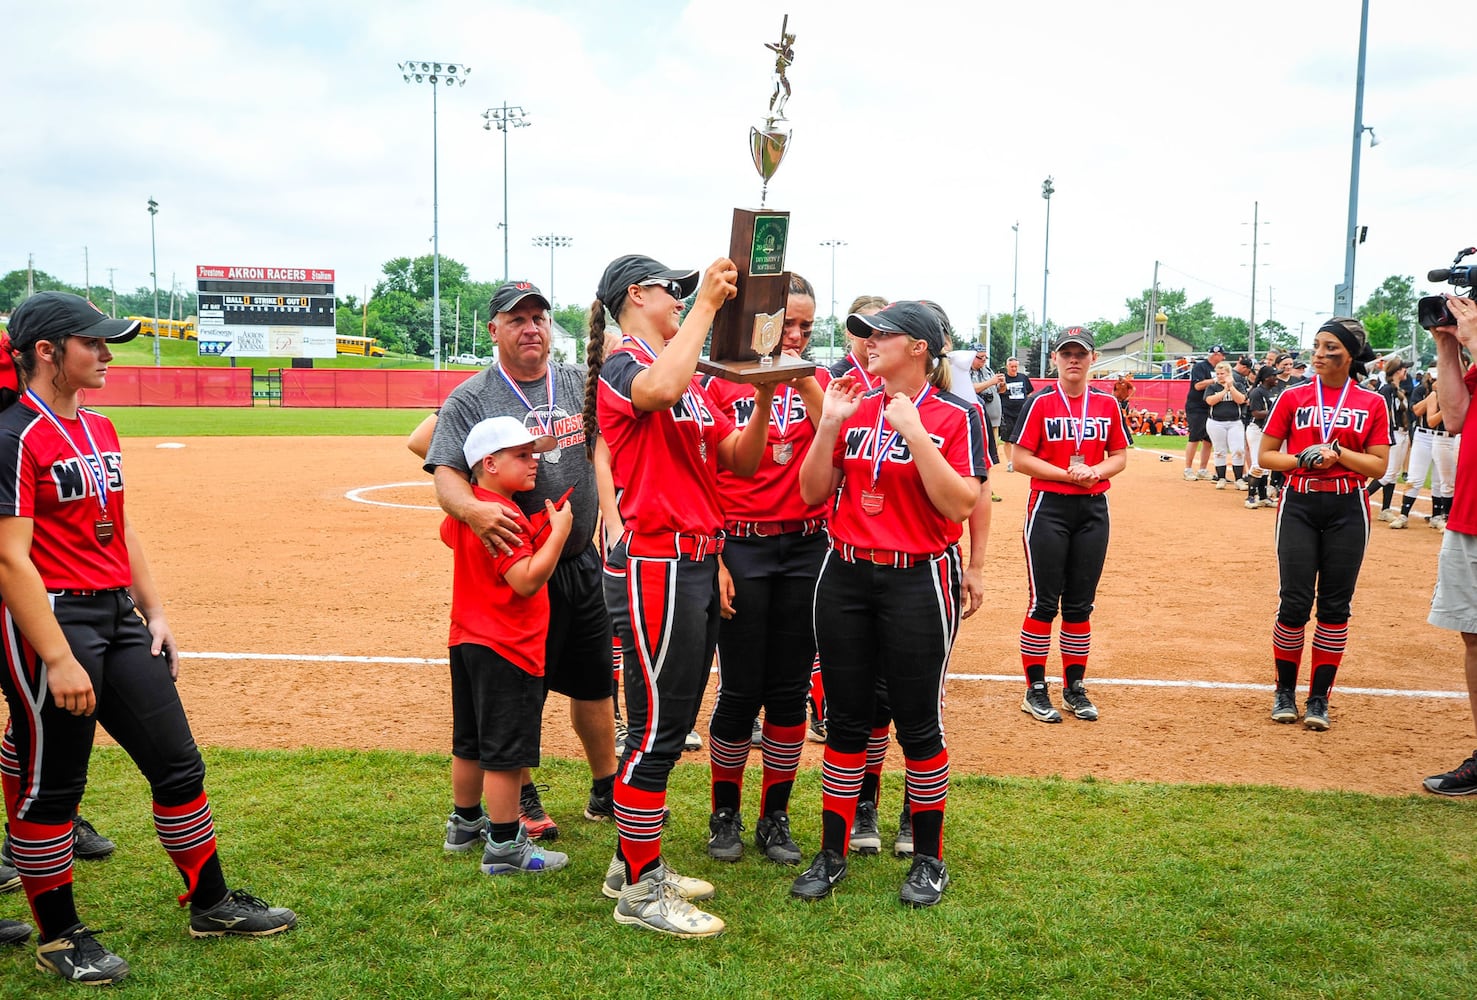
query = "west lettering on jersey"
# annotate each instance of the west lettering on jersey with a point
(1065, 428)
(861, 443)
(682, 412)
(73, 482)
(1305, 417)
(743, 409)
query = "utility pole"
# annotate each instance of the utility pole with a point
(86, 274)
(30, 277)
(1047, 190)
(154, 256)
(1150, 320)
(1015, 274)
(113, 291)
(1343, 294)
(1255, 223)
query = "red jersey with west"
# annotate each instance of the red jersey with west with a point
(52, 475)
(484, 609)
(1313, 413)
(883, 503)
(664, 462)
(773, 493)
(1055, 427)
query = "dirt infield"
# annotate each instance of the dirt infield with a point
(269, 557)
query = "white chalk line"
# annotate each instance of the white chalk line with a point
(357, 496)
(424, 661)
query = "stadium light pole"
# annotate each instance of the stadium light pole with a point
(504, 118)
(453, 75)
(1343, 295)
(1015, 275)
(553, 243)
(154, 256)
(1047, 190)
(833, 244)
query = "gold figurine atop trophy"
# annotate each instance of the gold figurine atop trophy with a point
(747, 330)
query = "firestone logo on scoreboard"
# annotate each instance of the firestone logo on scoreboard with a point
(212, 272)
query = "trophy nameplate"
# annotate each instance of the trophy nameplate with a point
(748, 330)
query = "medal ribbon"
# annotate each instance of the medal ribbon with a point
(883, 447)
(861, 372)
(518, 391)
(1080, 430)
(780, 408)
(1326, 428)
(95, 471)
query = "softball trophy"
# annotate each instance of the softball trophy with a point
(748, 329)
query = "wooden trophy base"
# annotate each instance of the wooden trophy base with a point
(754, 373)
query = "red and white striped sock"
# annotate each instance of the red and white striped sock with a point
(928, 792)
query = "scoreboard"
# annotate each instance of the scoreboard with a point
(258, 312)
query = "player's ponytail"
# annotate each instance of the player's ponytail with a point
(939, 374)
(594, 361)
(12, 377)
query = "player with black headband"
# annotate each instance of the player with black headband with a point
(1338, 437)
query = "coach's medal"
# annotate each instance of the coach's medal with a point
(102, 529)
(541, 427)
(783, 452)
(872, 502)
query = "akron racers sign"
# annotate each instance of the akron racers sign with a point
(260, 312)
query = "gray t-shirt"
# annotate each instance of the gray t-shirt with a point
(487, 394)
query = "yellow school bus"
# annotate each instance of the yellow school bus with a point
(171, 329)
(365, 347)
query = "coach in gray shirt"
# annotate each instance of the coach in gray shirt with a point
(548, 396)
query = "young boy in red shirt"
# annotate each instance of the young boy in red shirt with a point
(499, 623)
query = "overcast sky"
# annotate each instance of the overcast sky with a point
(281, 134)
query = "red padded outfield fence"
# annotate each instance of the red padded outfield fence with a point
(185, 386)
(389, 388)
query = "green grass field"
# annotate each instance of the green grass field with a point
(191, 421)
(1060, 888)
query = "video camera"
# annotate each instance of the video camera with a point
(1431, 310)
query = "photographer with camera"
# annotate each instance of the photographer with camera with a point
(1454, 603)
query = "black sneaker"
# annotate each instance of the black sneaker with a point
(88, 844)
(865, 837)
(6, 857)
(817, 881)
(815, 725)
(772, 836)
(1315, 715)
(76, 956)
(1075, 700)
(240, 913)
(926, 882)
(10, 879)
(1284, 706)
(1037, 704)
(539, 824)
(902, 846)
(1462, 781)
(600, 807)
(14, 932)
(725, 835)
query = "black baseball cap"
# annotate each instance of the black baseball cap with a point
(52, 315)
(1217, 349)
(635, 269)
(510, 293)
(919, 320)
(1079, 335)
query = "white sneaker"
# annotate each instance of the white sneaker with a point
(1252, 504)
(1269, 502)
(693, 742)
(655, 904)
(1241, 485)
(1438, 522)
(1388, 514)
(1400, 521)
(1205, 474)
(694, 889)
(1189, 475)
(1220, 484)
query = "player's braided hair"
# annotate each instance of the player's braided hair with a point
(594, 361)
(799, 286)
